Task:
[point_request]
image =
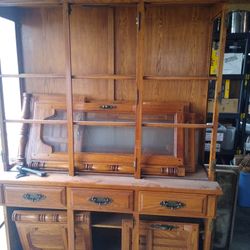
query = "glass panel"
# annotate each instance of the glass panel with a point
(158, 141)
(106, 139)
(90, 138)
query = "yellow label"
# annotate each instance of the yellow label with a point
(227, 89)
(214, 61)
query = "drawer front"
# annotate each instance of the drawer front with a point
(1, 195)
(173, 204)
(168, 235)
(35, 196)
(101, 200)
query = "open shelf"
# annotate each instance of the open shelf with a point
(181, 78)
(175, 125)
(98, 76)
(32, 76)
(36, 121)
(108, 220)
(105, 123)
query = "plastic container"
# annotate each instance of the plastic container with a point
(238, 21)
(244, 190)
(229, 136)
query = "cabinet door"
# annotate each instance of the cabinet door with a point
(46, 230)
(159, 235)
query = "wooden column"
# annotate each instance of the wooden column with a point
(139, 86)
(217, 95)
(69, 97)
(24, 130)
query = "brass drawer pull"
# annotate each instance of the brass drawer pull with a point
(101, 201)
(34, 197)
(172, 204)
(163, 227)
(107, 107)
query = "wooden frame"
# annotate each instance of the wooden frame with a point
(141, 75)
(41, 155)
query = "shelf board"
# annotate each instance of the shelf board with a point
(108, 220)
(181, 78)
(105, 77)
(36, 121)
(175, 125)
(105, 123)
(32, 76)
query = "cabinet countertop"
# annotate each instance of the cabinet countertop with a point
(173, 184)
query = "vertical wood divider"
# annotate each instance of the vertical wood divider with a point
(136, 224)
(111, 52)
(70, 222)
(217, 96)
(69, 104)
(69, 97)
(139, 85)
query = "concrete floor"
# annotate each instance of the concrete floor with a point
(241, 236)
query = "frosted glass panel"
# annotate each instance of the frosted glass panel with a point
(107, 139)
(158, 141)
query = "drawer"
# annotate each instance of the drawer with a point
(1, 195)
(101, 200)
(35, 196)
(173, 204)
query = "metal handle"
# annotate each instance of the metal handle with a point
(34, 197)
(172, 204)
(101, 201)
(106, 106)
(165, 227)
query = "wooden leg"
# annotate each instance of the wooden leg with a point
(208, 227)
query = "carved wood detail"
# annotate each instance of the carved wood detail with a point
(24, 131)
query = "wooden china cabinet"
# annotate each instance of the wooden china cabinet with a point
(114, 100)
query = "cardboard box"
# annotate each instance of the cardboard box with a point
(232, 62)
(226, 106)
